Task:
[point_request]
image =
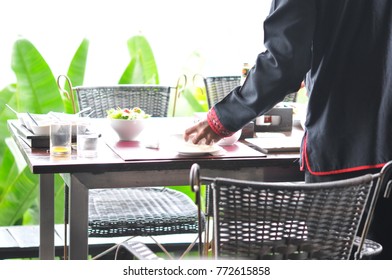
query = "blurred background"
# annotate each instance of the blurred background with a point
(214, 37)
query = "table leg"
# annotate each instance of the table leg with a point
(78, 220)
(46, 214)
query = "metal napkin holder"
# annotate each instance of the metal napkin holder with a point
(278, 119)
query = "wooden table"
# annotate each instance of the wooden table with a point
(108, 169)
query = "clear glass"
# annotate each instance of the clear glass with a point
(87, 138)
(60, 138)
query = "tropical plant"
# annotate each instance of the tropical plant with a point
(142, 68)
(36, 91)
(190, 92)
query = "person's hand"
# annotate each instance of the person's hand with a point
(201, 133)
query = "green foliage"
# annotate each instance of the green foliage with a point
(7, 96)
(18, 189)
(76, 71)
(142, 68)
(191, 100)
(36, 91)
(190, 95)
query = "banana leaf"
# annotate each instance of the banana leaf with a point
(19, 188)
(19, 197)
(76, 72)
(190, 101)
(6, 97)
(36, 91)
(191, 92)
(142, 68)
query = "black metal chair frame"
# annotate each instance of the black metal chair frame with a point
(287, 220)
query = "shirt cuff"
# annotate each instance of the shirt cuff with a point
(216, 125)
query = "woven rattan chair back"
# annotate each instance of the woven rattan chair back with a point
(153, 99)
(218, 87)
(260, 220)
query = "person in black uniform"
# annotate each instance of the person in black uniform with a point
(343, 51)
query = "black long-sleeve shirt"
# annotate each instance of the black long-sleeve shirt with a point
(343, 49)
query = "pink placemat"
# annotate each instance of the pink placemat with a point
(135, 150)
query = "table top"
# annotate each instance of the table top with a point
(110, 159)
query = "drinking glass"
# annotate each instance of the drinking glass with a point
(87, 138)
(60, 138)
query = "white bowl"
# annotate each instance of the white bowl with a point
(231, 139)
(127, 130)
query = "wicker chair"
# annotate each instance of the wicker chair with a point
(147, 211)
(260, 220)
(218, 87)
(153, 99)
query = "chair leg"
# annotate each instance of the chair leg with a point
(107, 251)
(189, 248)
(162, 248)
(208, 244)
(170, 256)
(114, 247)
(137, 250)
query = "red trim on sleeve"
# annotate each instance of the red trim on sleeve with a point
(216, 125)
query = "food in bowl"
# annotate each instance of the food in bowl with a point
(127, 123)
(127, 114)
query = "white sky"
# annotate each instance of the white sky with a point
(225, 32)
